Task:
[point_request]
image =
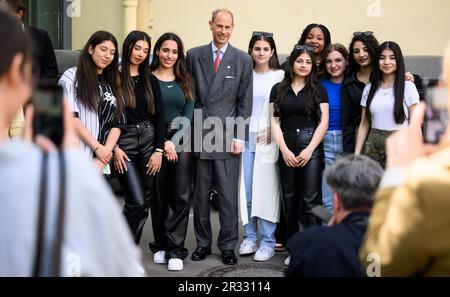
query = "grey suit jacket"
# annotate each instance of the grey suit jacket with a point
(221, 97)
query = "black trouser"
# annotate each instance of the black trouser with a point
(302, 186)
(138, 143)
(173, 190)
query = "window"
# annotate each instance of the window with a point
(50, 15)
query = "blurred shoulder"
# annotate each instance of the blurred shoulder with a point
(430, 176)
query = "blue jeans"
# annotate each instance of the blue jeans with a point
(266, 228)
(333, 147)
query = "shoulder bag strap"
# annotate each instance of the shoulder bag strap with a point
(41, 218)
(61, 216)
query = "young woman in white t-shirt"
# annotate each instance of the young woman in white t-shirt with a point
(260, 187)
(386, 102)
(94, 92)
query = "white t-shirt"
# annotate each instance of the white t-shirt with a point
(382, 106)
(262, 85)
(88, 117)
(97, 123)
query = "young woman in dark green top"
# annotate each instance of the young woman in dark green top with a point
(173, 183)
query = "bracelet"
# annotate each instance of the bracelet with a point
(98, 146)
(158, 150)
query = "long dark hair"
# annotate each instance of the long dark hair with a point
(182, 76)
(399, 85)
(86, 81)
(274, 64)
(335, 47)
(372, 47)
(311, 83)
(143, 68)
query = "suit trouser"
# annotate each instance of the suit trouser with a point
(224, 174)
(138, 143)
(173, 190)
(302, 186)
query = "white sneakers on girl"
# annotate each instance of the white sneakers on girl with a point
(160, 257)
(247, 247)
(175, 264)
(264, 253)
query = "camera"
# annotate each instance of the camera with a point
(48, 111)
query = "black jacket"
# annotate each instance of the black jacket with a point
(352, 90)
(329, 251)
(44, 59)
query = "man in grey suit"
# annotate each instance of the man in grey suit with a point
(223, 77)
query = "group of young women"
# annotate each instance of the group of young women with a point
(329, 102)
(325, 102)
(126, 116)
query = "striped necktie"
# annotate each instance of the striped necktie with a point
(217, 61)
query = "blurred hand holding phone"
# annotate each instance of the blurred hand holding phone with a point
(60, 115)
(436, 113)
(48, 111)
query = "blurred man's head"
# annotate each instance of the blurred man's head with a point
(15, 68)
(15, 6)
(354, 181)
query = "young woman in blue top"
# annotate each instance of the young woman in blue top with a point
(334, 64)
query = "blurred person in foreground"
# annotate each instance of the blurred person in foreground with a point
(96, 240)
(333, 250)
(408, 229)
(44, 59)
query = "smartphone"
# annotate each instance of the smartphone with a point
(322, 213)
(436, 115)
(48, 111)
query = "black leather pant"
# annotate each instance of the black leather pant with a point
(138, 143)
(173, 190)
(302, 186)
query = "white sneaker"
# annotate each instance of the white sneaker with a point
(175, 264)
(264, 253)
(247, 247)
(287, 261)
(160, 257)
